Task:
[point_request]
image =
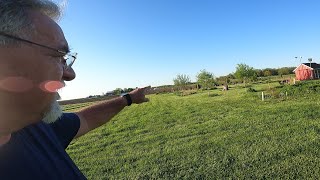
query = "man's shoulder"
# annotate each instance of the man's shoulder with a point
(66, 128)
(37, 152)
(66, 119)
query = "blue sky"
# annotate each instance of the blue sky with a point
(135, 43)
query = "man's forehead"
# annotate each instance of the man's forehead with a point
(47, 31)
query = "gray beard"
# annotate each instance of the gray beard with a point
(54, 113)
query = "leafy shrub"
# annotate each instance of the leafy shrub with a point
(301, 88)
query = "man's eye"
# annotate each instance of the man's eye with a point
(62, 59)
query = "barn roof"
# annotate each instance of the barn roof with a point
(313, 65)
(309, 65)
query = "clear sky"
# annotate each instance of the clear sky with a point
(135, 43)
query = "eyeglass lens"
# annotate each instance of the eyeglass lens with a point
(70, 58)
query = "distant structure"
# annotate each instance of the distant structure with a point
(307, 71)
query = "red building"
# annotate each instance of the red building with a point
(306, 71)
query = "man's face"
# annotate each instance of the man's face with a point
(29, 76)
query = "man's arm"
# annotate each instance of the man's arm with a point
(98, 114)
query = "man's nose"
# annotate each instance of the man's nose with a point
(68, 74)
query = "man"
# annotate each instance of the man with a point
(34, 62)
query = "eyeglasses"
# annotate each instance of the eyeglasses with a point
(68, 58)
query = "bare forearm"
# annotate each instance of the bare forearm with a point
(100, 113)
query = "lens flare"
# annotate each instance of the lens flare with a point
(51, 86)
(16, 84)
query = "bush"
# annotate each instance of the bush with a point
(301, 88)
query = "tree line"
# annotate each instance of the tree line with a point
(207, 80)
(243, 74)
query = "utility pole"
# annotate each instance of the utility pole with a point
(310, 60)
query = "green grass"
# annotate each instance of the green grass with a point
(73, 107)
(226, 135)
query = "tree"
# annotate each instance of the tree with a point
(259, 72)
(273, 72)
(245, 73)
(224, 79)
(126, 90)
(118, 91)
(231, 76)
(291, 70)
(283, 71)
(206, 79)
(267, 73)
(181, 80)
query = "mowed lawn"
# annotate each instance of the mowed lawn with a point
(226, 135)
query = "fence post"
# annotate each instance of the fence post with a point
(262, 96)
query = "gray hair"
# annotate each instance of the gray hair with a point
(14, 19)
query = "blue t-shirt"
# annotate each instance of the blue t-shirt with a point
(38, 151)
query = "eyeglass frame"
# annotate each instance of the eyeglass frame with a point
(66, 56)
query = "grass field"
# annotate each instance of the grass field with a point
(223, 135)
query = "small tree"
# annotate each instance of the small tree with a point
(259, 72)
(181, 80)
(273, 72)
(206, 79)
(267, 73)
(118, 91)
(245, 73)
